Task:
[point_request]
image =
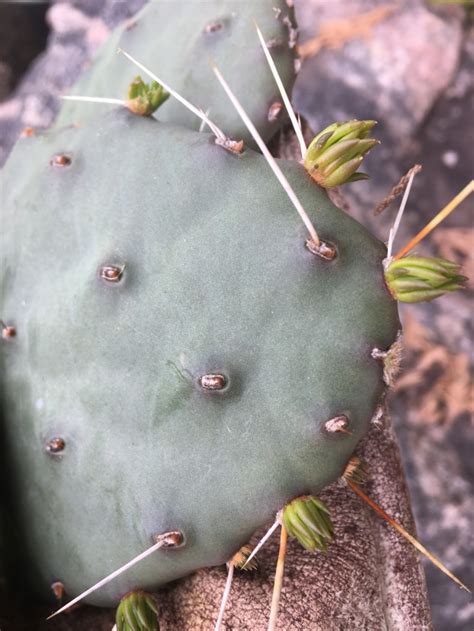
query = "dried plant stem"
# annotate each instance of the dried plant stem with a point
(397, 189)
(280, 568)
(447, 210)
(401, 210)
(414, 542)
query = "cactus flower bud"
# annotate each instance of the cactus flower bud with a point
(307, 519)
(137, 612)
(420, 279)
(336, 153)
(145, 98)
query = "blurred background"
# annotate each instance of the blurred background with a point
(408, 64)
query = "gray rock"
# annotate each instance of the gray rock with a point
(396, 72)
(77, 31)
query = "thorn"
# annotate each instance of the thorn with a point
(401, 210)
(93, 99)
(215, 130)
(199, 113)
(278, 580)
(225, 595)
(284, 95)
(202, 126)
(264, 539)
(443, 213)
(165, 540)
(239, 559)
(405, 534)
(270, 159)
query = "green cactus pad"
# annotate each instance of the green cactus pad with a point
(150, 259)
(178, 44)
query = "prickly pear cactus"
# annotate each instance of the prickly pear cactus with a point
(182, 361)
(180, 51)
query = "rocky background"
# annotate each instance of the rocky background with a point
(410, 65)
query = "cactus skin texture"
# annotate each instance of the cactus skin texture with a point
(180, 51)
(152, 259)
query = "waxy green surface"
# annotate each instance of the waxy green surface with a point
(217, 279)
(178, 41)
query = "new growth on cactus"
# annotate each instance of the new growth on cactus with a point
(336, 153)
(178, 402)
(136, 612)
(421, 278)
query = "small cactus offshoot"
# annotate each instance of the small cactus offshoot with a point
(145, 98)
(336, 153)
(418, 279)
(137, 612)
(307, 519)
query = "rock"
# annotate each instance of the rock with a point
(396, 70)
(77, 31)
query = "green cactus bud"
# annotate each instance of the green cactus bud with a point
(307, 519)
(420, 279)
(336, 153)
(145, 98)
(137, 612)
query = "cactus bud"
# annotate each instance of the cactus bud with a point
(307, 519)
(336, 153)
(137, 612)
(145, 98)
(418, 279)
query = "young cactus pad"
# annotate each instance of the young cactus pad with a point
(179, 351)
(180, 50)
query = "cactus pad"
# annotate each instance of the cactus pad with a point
(174, 332)
(180, 50)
